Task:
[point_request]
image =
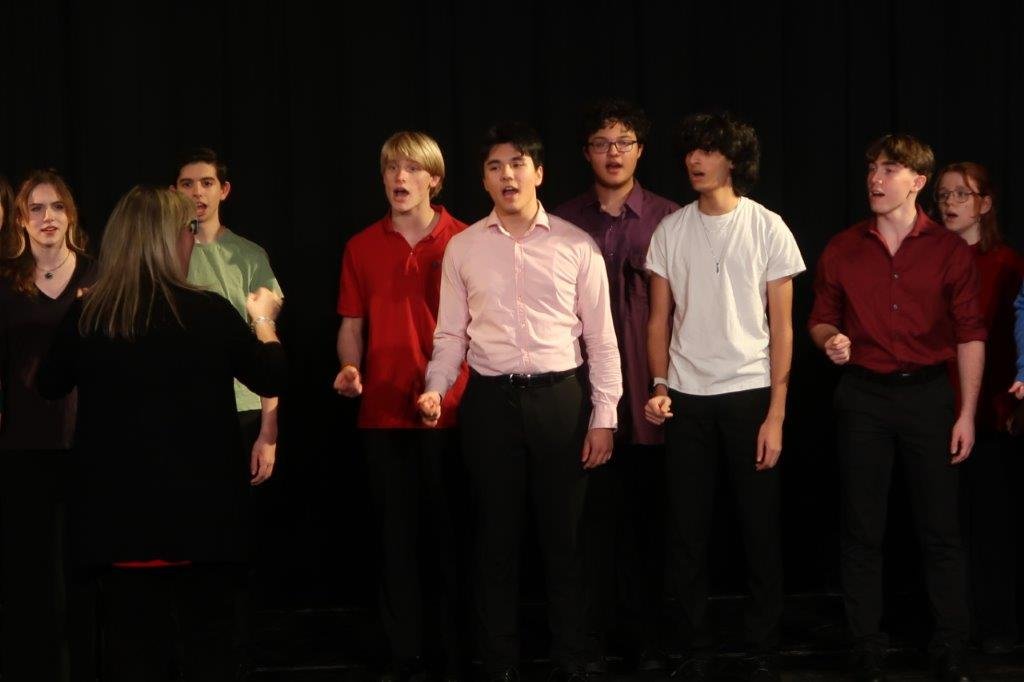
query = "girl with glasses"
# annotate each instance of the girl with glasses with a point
(966, 204)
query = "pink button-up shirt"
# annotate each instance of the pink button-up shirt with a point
(519, 306)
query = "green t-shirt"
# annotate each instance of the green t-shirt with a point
(233, 267)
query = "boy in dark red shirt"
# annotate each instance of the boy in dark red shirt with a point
(896, 298)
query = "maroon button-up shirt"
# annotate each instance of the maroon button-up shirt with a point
(623, 240)
(903, 311)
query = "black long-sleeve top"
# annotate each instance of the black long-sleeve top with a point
(159, 472)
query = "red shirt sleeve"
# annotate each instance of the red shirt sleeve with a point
(962, 284)
(828, 294)
(351, 302)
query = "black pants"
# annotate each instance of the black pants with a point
(878, 423)
(991, 483)
(707, 431)
(520, 442)
(249, 423)
(33, 589)
(169, 623)
(623, 541)
(412, 474)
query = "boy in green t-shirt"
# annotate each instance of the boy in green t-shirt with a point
(233, 267)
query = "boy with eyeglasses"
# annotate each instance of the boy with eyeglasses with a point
(722, 273)
(622, 536)
(896, 298)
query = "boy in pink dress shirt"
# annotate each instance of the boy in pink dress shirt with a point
(518, 291)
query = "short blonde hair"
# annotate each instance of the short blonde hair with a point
(418, 147)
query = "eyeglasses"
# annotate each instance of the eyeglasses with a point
(193, 226)
(601, 145)
(958, 196)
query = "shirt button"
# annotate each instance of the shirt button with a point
(895, 307)
(895, 275)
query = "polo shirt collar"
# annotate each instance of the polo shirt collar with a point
(439, 228)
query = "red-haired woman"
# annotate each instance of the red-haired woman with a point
(44, 267)
(966, 202)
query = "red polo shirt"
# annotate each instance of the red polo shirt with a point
(395, 289)
(903, 311)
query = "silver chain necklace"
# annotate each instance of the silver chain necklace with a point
(48, 274)
(707, 238)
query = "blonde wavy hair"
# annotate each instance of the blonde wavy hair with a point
(138, 262)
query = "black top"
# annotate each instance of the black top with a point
(159, 473)
(27, 323)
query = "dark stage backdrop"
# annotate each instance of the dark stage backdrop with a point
(299, 98)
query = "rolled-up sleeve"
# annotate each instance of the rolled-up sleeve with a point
(828, 294)
(962, 283)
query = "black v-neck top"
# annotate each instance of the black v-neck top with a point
(27, 324)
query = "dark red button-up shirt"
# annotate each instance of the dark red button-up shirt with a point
(903, 311)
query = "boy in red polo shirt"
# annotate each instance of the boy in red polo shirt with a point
(390, 279)
(895, 299)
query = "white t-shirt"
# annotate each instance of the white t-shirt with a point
(720, 327)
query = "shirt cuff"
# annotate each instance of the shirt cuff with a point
(604, 417)
(437, 384)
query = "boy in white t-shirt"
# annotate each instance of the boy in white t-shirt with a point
(718, 265)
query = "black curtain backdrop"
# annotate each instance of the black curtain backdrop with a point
(299, 97)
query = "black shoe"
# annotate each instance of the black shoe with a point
(651, 660)
(693, 670)
(405, 671)
(560, 674)
(868, 666)
(764, 669)
(997, 646)
(951, 666)
(506, 675)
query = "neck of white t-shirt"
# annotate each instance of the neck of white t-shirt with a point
(718, 201)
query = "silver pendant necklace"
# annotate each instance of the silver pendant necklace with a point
(48, 274)
(707, 238)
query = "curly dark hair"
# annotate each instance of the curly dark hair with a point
(518, 134)
(609, 111)
(735, 139)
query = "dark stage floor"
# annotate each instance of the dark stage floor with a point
(347, 645)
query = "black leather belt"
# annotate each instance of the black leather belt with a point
(908, 377)
(527, 380)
